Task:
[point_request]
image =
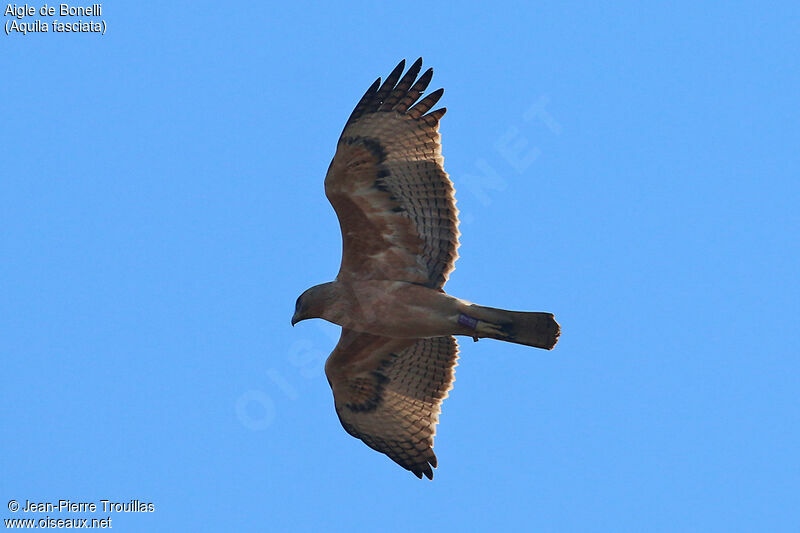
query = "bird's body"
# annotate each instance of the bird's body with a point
(403, 310)
(395, 360)
(372, 306)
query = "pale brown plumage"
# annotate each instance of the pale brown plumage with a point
(395, 360)
(389, 188)
(392, 399)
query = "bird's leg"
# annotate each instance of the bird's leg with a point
(481, 328)
(470, 322)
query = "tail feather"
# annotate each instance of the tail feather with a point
(535, 329)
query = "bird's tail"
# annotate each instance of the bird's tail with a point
(529, 328)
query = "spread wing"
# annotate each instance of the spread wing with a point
(388, 393)
(395, 202)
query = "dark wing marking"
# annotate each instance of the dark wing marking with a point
(388, 393)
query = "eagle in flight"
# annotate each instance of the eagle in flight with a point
(396, 357)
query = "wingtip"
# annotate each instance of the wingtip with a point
(372, 89)
(425, 469)
(399, 68)
(416, 65)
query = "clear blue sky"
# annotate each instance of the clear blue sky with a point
(633, 170)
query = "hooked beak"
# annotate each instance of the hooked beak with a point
(295, 320)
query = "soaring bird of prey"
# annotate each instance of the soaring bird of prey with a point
(395, 360)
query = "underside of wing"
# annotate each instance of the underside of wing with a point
(388, 393)
(387, 184)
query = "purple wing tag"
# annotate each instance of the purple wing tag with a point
(468, 321)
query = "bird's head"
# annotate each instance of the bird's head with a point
(310, 304)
